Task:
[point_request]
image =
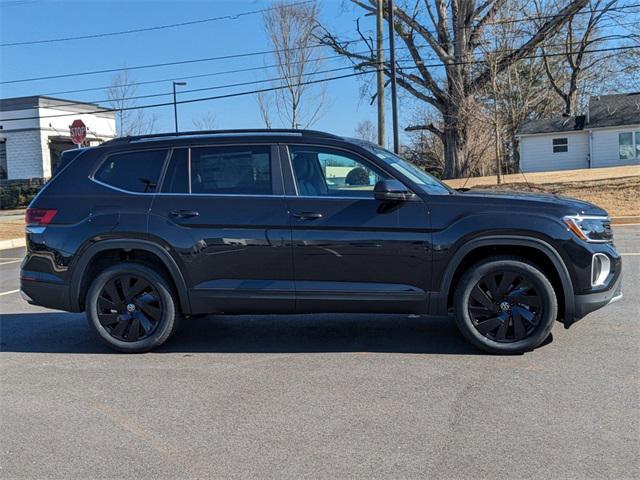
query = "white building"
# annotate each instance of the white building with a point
(35, 130)
(608, 135)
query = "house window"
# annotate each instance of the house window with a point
(560, 145)
(3, 160)
(626, 147)
(638, 144)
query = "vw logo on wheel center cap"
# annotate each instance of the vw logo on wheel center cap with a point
(131, 308)
(505, 306)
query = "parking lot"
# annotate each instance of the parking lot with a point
(320, 396)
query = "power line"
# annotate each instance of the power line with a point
(201, 75)
(203, 89)
(280, 87)
(338, 56)
(165, 64)
(145, 29)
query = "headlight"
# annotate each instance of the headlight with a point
(590, 228)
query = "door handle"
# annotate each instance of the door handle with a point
(308, 215)
(184, 213)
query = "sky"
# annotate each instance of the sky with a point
(26, 20)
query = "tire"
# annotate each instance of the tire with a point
(519, 316)
(132, 308)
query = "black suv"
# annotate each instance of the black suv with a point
(142, 231)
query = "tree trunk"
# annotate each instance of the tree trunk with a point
(455, 139)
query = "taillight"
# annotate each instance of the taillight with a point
(39, 216)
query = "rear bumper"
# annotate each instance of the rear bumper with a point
(585, 304)
(44, 294)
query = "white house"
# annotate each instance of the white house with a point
(35, 130)
(608, 135)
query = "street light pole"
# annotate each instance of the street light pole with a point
(394, 91)
(175, 103)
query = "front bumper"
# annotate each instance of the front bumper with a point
(585, 304)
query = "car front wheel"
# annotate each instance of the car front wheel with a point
(505, 305)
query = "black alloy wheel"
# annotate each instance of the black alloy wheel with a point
(505, 306)
(132, 307)
(129, 307)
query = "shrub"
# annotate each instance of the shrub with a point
(17, 195)
(357, 176)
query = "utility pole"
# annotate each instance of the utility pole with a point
(496, 117)
(380, 71)
(175, 103)
(394, 91)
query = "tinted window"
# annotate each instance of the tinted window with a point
(560, 145)
(176, 180)
(320, 171)
(231, 170)
(132, 171)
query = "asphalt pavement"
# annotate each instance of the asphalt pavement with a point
(322, 396)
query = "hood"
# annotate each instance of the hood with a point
(544, 200)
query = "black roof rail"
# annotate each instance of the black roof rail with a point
(204, 133)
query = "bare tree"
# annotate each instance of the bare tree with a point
(205, 122)
(572, 60)
(366, 130)
(452, 31)
(290, 27)
(129, 120)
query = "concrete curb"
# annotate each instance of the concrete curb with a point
(12, 243)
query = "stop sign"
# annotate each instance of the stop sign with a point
(78, 131)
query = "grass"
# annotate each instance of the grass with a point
(11, 229)
(616, 189)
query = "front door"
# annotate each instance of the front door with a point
(353, 252)
(221, 211)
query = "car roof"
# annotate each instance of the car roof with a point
(222, 135)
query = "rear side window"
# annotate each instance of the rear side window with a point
(242, 170)
(132, 171)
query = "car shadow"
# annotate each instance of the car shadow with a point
(60, 332)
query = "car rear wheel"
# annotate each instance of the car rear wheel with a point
(131, 308)
(505, 305)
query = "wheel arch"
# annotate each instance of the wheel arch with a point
(530, 248)
(154, 252)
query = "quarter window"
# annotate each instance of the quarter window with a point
(132, 171)
(560, 145)
(325, 172)
(627, 149)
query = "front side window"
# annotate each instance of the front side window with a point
(322, 171)
(560, 145)
(625, 146)
(132, 171)
(425, 181)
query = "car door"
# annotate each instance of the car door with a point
(221, 212)
(352, 252)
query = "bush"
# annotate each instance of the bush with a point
(17, 195)
(357, 176)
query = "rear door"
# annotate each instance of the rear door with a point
(221, 212)
(353, 252)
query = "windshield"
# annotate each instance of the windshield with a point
(428, 183)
